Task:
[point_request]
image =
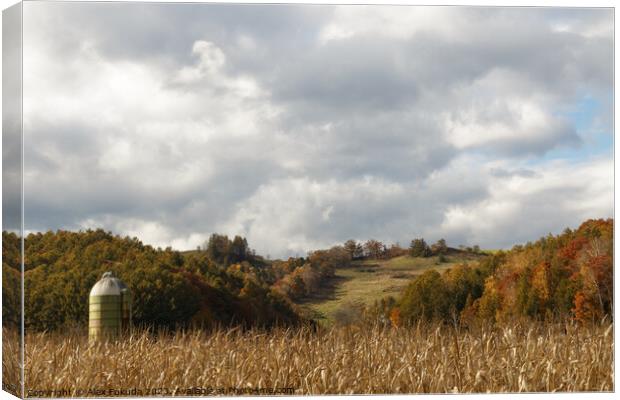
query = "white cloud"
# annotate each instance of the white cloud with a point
(506, 121)
(150, 232)
(298, 215)
(301, 127)
(555, 196)
(392, 22)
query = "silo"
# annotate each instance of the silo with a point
(125, 309)
(109, 308)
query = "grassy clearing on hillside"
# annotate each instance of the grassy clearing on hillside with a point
(424, 359)
(370, 280)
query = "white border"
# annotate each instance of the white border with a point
(511, 3)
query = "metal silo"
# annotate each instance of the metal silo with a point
(125, 309)
(109, 308)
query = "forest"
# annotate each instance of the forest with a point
(559, 277)
(563, 277)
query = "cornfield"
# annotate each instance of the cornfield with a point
(525, 357)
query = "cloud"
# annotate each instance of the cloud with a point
(534, 204)
(11, 121)
(303, 126)
(399, 22)
(514, 126)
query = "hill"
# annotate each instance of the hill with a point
(557, 278)
(169, 289)
(367, 281)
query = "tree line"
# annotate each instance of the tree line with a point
(375, 249)
(299, 277)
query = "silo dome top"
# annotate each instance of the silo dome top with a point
(108, 285)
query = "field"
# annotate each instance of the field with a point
(370, 280)
(11, 376)
(425, 359)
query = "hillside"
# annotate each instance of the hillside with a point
(566, 276)
(556, 277)
(367, 281)
(169, 289)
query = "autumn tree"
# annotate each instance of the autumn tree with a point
(380, 310)
(563, 276)
(395, 251)
(374, 249)
(11, 277)
(354, 249)
(169, 289)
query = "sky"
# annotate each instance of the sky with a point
(300, 127)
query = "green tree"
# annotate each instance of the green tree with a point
(440, 248)
(218, 248)
(426, 298)
(419, 248)
(238, 251)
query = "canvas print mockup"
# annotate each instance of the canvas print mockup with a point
(272, 199)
